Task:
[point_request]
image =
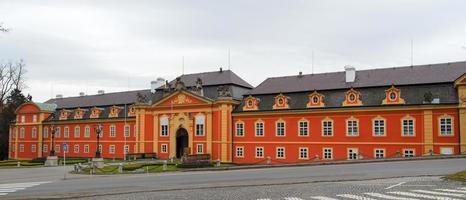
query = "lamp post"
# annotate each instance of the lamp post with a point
(98, 130)
(52, 148)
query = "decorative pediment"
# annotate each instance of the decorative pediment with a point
(461, 80)
(316, 100)
(64, 114)
(95, 112)
(79, 113)
(251, 103)
(281, 102)
(393, 96)
(181, 97)
(352, 98)
(114, 111)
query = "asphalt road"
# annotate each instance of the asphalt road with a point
(268, 183)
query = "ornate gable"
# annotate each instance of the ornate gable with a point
(393, 96)
(251, 103)
(315, 100)
(79, 113)
(131, 111)
(95, 112)
(64, 114)
(181, 97)
(352, 98)
(281, 102)
(114, 111)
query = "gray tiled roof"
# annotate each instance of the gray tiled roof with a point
(225, 77)
(412, 75)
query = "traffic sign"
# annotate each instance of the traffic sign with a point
(65, 147)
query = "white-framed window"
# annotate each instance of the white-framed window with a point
(327, 128)
(126, 147)
(280, 152)
(45, 148)
(259, 129)
(164, 126)
(33, 148)
(446, 150)
(164, 148)
(352, 128)
(200, 148)
(57, 132)
(280, 128)
(34, 132)
(23, 118)
(446, 126)
(66, 132)
(34, 118)
(328, 153)
(101, 150)
(259, 152)
(407, 127)
(76, 148)
(45, 133)
(87, 131)
(240, 152)
(200, 120)
(378, 127)
(111, 149)
(379, 153)
(352, 153)
(127, 131)
(409, 153)
(21, 132)
(57, 148)
(303, 153)
(239, 129)
(112, 131)
(77, 131)
(21, 148)
(86, 148)
(303, 128)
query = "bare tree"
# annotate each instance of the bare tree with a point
(11, 78)
(2, 28)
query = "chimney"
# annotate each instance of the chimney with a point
(81, 94)
(300, 74)
(59, 96)
(156, 84)
(350, 73)
(221, 70)
(100, 92)
(153, 85)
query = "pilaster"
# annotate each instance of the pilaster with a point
(428, 132)
(142, 132)
(156, 134)
(209, 127)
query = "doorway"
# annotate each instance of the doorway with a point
(181, 142)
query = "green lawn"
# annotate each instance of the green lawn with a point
(460, 176)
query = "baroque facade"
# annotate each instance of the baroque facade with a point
(379, 113)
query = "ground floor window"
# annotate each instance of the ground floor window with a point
(21, 148)
(303, 153)
(45, 148)
(259, 152)
(239, 151)
(379, 153)
(280, 152)
(33, 148)
(200, 148)
(408, 153)
(76, 148)
(86, 148)
(164, 148)
(328, 153)
(111, 149)
(352, 154)
(57, 148)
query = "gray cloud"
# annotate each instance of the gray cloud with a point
(73, 46)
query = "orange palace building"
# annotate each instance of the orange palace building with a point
(380, 113)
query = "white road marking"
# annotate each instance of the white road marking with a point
(440, 193)
(390, 187)
(13, 187)
(450, 190)
(264, 199)
(384, 196)
(425, 196)
(293, 198)
(323, 198)
(1, 194)
(352, 196)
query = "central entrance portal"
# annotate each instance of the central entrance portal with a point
(181, 142)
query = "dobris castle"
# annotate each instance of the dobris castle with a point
(390, 112)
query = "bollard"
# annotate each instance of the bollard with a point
(165, 167)
(120, 168)
(75, 167)
(217, 163)
(18, 164)
(79, 167)
(147, 169)
(269, 160)
(171, 159)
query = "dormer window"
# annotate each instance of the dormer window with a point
(251, 103)
(352, 98)
(114, 111)
(132, 111)
(64, 114)
(281, 102)
(79, 113)
(95, 112)
(393, 96)
(315, 100)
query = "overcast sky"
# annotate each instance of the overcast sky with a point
(83, 46)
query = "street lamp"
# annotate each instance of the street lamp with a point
(98, 130)
(52, 148)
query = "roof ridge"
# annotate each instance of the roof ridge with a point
(100, 94)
